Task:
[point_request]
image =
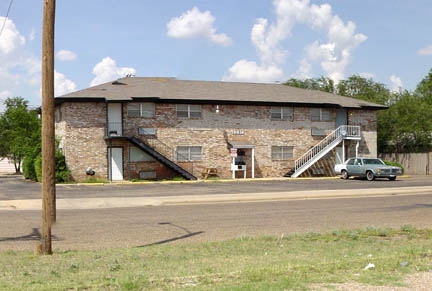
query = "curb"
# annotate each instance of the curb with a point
(123, 202)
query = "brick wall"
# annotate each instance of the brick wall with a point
(82, 127)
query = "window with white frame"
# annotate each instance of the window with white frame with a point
(143, 109)
(189, 110)
(189, 153)
(282, 152)
(137, 155)
(320, 114)
(282, 113)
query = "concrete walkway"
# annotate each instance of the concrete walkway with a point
(122, 202)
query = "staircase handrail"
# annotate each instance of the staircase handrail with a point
(170, 153)
(341, 132)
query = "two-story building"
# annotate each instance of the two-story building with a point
(159, 128)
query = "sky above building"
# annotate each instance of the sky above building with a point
(225, 40)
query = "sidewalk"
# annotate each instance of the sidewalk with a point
(122, 202)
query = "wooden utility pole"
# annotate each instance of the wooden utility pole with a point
(48, 134)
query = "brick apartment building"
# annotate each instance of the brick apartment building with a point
(159, 128)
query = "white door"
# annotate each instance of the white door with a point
(340, 155)
(116, 164)
(115, 119)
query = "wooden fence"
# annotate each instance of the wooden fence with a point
(413, 163)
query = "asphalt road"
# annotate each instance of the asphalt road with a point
(13, 187)
(143, 226)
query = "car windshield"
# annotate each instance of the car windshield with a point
(373, 162)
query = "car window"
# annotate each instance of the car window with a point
(350, 162)
(373, 162)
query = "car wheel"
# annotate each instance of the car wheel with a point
(370, 176)
(392, 178)
(345, 175)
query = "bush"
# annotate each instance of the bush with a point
(62, 172)
(38, 168)
(32, 167)
(396, 164)
(28, 168)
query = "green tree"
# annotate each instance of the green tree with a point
(365, 89)
(424, 88)
(322, 84)
(20, 130)
(406, 126)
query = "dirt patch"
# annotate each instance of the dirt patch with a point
(418, 282)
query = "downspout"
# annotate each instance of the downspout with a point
(357, 147)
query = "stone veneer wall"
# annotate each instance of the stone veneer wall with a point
(82, 126)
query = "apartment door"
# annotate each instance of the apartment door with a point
(341, 117)
(115, 119)
(116, 164)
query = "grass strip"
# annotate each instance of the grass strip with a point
(292, 262)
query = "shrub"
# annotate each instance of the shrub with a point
(391, 163)
(62, 172)
(38, 168)
(32, 167)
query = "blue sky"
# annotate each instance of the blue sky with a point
(232, 40)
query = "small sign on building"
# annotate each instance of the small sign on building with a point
(233, 153)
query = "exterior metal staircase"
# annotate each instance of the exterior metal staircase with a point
(150, 149)
(324, 147)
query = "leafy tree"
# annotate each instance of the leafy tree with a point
(406, 126)
(424, 88)
(365, 89)
(20, 130)
(322, 84)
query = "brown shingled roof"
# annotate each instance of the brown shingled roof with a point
(174, 90)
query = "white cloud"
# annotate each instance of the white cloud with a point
(396, 82)
(248, 71)
(62, 85)
(65, 55)
(194, 24)
(20, 71)
(107, 70)
(333, 56)
(426, 51)
(10, 39)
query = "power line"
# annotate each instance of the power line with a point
(7, 15)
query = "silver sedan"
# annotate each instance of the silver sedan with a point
(369, 168)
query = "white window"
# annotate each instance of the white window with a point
(145, 109)
(282, 113)
(282, 152)
(320, 114)
(189, 153)
(189, 111)
(137, 155)
(147, 131)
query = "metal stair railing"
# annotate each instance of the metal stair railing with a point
(170, 153)
(324, 146)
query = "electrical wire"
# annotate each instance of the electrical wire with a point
(7, 15)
